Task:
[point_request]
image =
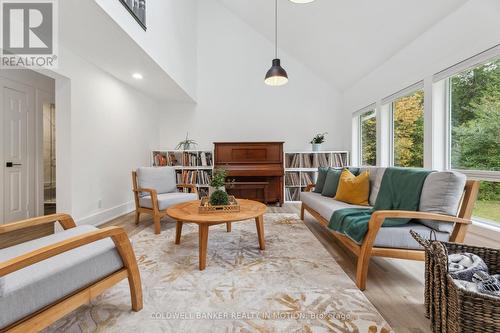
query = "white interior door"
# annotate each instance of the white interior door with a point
(18, 136)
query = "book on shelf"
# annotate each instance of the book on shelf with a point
(204, 177)
(340, 160)
(320, 160)
(306, 161)
(205, 158)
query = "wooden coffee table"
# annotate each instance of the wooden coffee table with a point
(187, 212)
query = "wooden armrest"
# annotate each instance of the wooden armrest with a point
(309, 187)
(65, 220)
(191, 186)
(383, 214)
(117, 234)
(152, 192)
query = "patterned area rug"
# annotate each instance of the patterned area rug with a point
(292, 286)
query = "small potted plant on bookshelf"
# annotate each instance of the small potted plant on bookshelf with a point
(317, 141)
(217, 190)
(187, 144)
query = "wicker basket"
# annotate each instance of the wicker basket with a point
(453, 309)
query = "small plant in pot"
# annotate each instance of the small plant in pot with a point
(218, 194)
(318, 140)
(186, 144)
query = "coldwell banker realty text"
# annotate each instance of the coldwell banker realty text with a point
(29, 34)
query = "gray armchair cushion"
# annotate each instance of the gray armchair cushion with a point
(32, 288)
(400, 237)
(441, 194)
(166, 200)
(161, 179)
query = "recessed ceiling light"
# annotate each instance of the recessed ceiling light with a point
(301, 1)
(137, 76)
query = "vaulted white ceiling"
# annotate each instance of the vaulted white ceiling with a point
(343, 40)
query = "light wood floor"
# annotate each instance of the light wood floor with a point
(395, 287)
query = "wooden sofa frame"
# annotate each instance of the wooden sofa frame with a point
(48, 315)
(155, 211)
(366, 250)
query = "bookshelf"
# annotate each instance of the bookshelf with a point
(301, 169)
(191, 166)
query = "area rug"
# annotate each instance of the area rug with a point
(292, 286)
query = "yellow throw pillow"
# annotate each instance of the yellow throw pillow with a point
(353, 190)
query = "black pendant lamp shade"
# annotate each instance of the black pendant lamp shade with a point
(276, 75)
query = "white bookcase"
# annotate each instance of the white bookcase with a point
(191, 166)
(301, 169)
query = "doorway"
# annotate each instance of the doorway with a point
(27, 145)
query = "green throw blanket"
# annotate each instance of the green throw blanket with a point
(400, 190)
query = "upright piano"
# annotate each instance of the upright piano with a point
(255, 169)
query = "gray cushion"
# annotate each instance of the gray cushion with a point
(166, 200)
(331, 183)
(376, 175)
(320, 181)
(400, 237)
(161, 179)
(441, 194)
(325, 206)
(34, 287)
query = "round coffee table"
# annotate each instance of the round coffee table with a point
(187, 212)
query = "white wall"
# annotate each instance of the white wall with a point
(234, 103)
(170, 38)
(469, 30)
(105, 129)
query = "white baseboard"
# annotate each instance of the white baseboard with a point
(107, 215)
(484, 230)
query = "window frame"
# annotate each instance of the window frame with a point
(360, 133)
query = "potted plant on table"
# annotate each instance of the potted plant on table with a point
(217, 190)
(318, 140)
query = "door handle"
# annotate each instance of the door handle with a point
(10, 164)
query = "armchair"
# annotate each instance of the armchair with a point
(44, 279)
(155, 190)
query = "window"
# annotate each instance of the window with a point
(475, 118)
(408, 130)
(487, 208)
(368, 138)
(474, 112)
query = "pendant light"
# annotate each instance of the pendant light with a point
(276, 75)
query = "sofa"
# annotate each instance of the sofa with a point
(46, 278)
(445, 210)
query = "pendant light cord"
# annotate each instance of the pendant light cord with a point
(276, 29)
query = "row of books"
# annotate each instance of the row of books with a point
(182, 159)
(340, 160)
(200, 177)
(198, 159)
(292, 193)
(315, 160)
(292, 160)
(292, 179)
(306, 179)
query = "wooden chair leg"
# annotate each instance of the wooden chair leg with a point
(156, 220)
(362, 271)
(137, 217)
(228, 227)
(302, 209)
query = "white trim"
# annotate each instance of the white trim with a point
(404, 92)
(485, 230)
(371, 107)
(469, 63)
(107, 215)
